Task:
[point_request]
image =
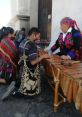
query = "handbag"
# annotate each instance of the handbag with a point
(30, 81)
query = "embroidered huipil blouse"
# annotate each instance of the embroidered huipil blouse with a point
(69, 44)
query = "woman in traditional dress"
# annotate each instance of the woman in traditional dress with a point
(8, 54)
(68, 40)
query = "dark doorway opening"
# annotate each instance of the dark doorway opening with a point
(44, 18)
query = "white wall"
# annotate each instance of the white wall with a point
(13, 8)
(63, 8)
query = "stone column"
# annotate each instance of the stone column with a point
(33, 13)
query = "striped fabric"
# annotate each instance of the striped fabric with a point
(8, 51)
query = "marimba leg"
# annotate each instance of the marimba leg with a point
(56, 97)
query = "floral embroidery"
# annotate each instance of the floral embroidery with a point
(68, 42)
(67, 46)
(60, 38)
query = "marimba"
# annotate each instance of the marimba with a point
(68, 75)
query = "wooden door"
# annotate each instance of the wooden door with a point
(44, 18)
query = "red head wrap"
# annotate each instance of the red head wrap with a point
(72, 23)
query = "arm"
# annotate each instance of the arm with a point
(39, 59)
(74, 53)
(33, 55)
(55, 46)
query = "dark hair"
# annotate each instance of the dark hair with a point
(1, 35)
(33, 30)
(4, 32)
(23, 29)
(10, 30)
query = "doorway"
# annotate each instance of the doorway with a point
(44, 18)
